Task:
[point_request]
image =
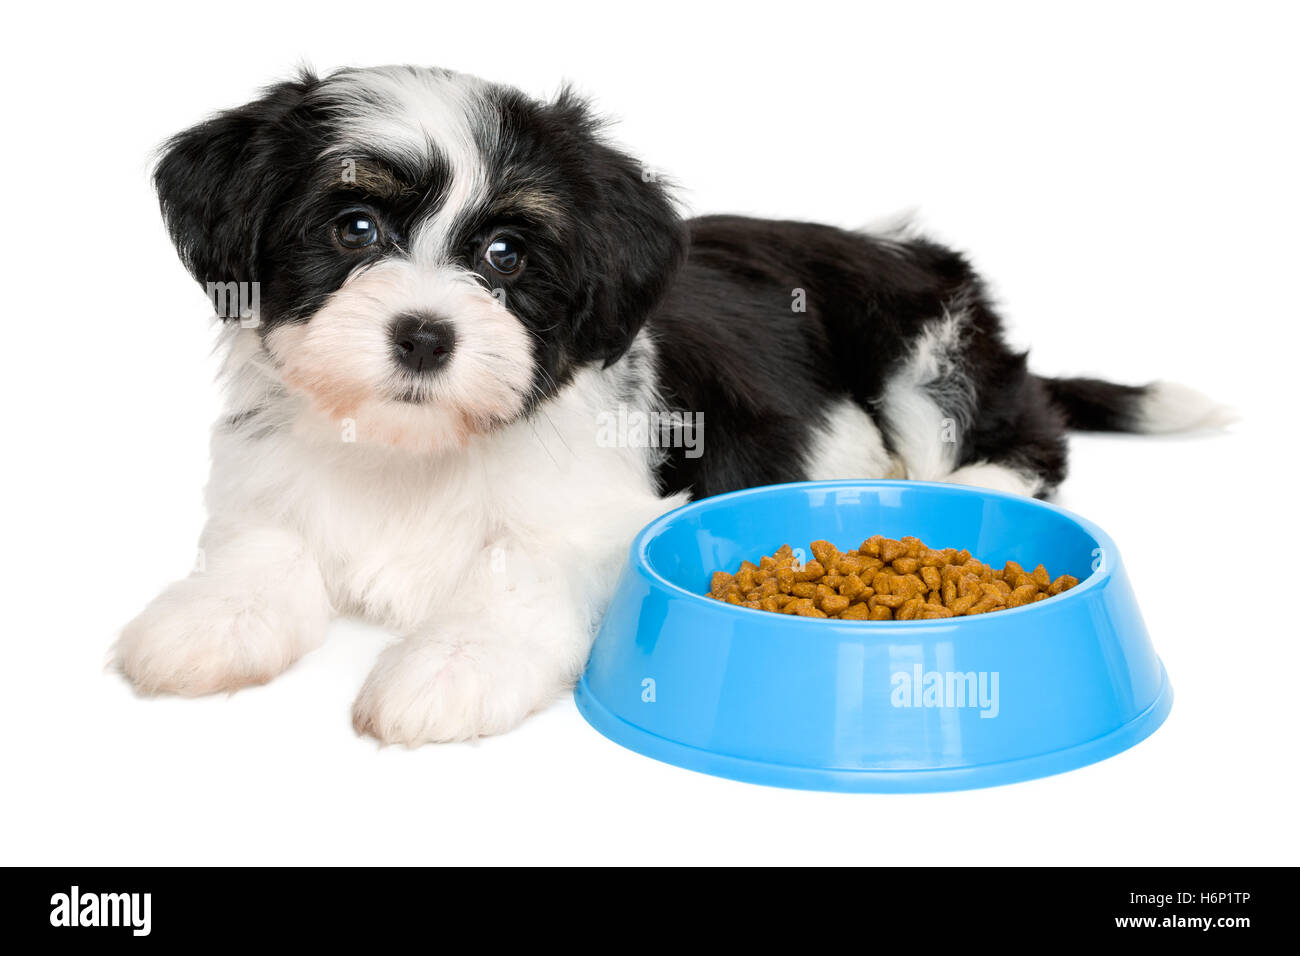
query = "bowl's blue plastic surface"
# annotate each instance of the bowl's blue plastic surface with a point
(872, 706)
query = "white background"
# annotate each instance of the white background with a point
(1125, 174)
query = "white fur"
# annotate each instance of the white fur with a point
(849, 445)
(342, 359)
(1171, 407)
(414, 113)
(998, 477)
(929, 401)
(496, 560)
(254, 606)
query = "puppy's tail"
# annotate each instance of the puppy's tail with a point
(1091, 404)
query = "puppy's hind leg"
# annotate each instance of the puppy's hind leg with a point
(1026, 453)
(255, 605)
(998, 477)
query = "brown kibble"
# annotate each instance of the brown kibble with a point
(931, 611)
(852, 586)
(798, 605)
(930, 575)
(869, 567)
(1022, 595)
(909, 609)
(883, 580)
(918, 587)
(933, 559)
(812, 571)
(948, 592)
(897, 584)
(825, 552)
(835, 604)
(850, 564)
(1063, 583)
(891, 550)
(963, 604)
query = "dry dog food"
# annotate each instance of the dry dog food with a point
(884, 580)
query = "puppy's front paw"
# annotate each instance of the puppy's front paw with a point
(426, 690)
(206, 635)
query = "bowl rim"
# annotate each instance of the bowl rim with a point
(640, 560)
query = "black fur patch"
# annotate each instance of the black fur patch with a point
(732, 346)
(253, 195)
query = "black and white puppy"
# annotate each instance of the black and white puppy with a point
(444, 289)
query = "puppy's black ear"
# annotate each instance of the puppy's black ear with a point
(632, 236)
(217, 182)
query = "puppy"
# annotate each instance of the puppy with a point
(436, 293)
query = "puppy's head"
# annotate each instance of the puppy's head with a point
(426, 255)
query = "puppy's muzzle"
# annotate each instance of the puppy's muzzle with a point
(422, 343)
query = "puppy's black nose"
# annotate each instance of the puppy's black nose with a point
(422, 342)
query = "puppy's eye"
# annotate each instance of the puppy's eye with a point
(357, 230)
(506, 256)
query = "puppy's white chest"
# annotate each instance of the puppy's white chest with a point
(400, 536)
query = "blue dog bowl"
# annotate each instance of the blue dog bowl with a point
(899, 706)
